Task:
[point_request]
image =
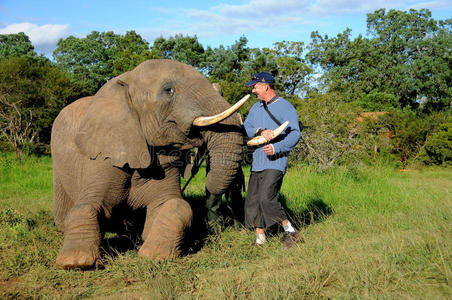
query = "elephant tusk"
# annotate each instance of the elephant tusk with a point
(206, 121)
(259, 140)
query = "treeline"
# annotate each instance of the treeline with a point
(401, 71)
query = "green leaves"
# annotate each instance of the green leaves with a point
(407, 56)
(15, 45)
(438, 147)
(32, 92)
(403, 64)
(293, 71)
(132, 50)
(100, 56)
(185, 49)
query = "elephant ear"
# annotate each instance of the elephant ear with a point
(111, 130)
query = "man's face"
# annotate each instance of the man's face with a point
(260, 89)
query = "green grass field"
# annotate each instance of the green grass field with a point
(371, 233)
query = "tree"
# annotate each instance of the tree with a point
(89, 59)
(132, 50)
(409, 132)
(185, 49)
(330, 141)
(226, 63)
(293, 72)
(438, 146)
(419, 49)
(100, 56)
(16, 45)
(16, 125)
(32, 92)
(406, 58)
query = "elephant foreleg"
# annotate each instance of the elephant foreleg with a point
(81, 238)
(164, 230)
(62, 203)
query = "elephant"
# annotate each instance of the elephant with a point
(124, 147)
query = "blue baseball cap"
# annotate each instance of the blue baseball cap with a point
(263, 77)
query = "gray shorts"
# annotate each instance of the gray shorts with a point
(262, 208)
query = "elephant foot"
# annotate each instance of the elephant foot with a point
(81, 239)
(159, 252)
(77, 258)
(165, 232)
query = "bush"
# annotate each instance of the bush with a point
(329, 141)
(378, 101)
(438, 147)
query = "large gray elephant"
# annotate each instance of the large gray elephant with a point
(123, 146)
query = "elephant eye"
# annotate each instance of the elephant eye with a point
(169, 91)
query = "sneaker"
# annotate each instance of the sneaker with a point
(289, 238)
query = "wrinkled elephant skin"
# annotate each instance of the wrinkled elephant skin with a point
(125, 146)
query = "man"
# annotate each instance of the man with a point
(262, 208)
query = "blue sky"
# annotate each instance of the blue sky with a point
(215, 22)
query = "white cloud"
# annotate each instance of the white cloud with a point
(265, 16)
(432, 5)
(276, 16)
(333, 7)
(263, 8)
(43, 38)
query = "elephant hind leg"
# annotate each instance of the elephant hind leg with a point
(62, 204)
(166, 229)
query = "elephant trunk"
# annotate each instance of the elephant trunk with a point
(225, 154)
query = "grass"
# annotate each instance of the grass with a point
(372, 233)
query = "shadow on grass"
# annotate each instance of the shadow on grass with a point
(231, 214)
(127, 229)
(123, 233)
(316, 211)
(196, 236)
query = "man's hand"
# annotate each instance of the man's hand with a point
(267, 134)
(268, 149)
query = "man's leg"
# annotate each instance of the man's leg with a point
(272, 209)
(270, 185)
(260, 236)
(253, 211)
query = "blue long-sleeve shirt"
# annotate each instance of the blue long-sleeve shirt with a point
(258, 118)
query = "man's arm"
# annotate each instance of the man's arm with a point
(250, 124)
(293, 133)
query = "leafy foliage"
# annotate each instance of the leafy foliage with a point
(402, 66)
(407, 58)
(16, 45)
(33, 90)
(293, 71)
(132, 50)
(185, 49)
(89, 59)
(438, 147)
(330, 140)
(100, 56)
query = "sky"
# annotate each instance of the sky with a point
(214, 22)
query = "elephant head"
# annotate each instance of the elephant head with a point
(162, 104)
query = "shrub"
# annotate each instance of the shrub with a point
(438, 147)
(378, 101)
(329, 141)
